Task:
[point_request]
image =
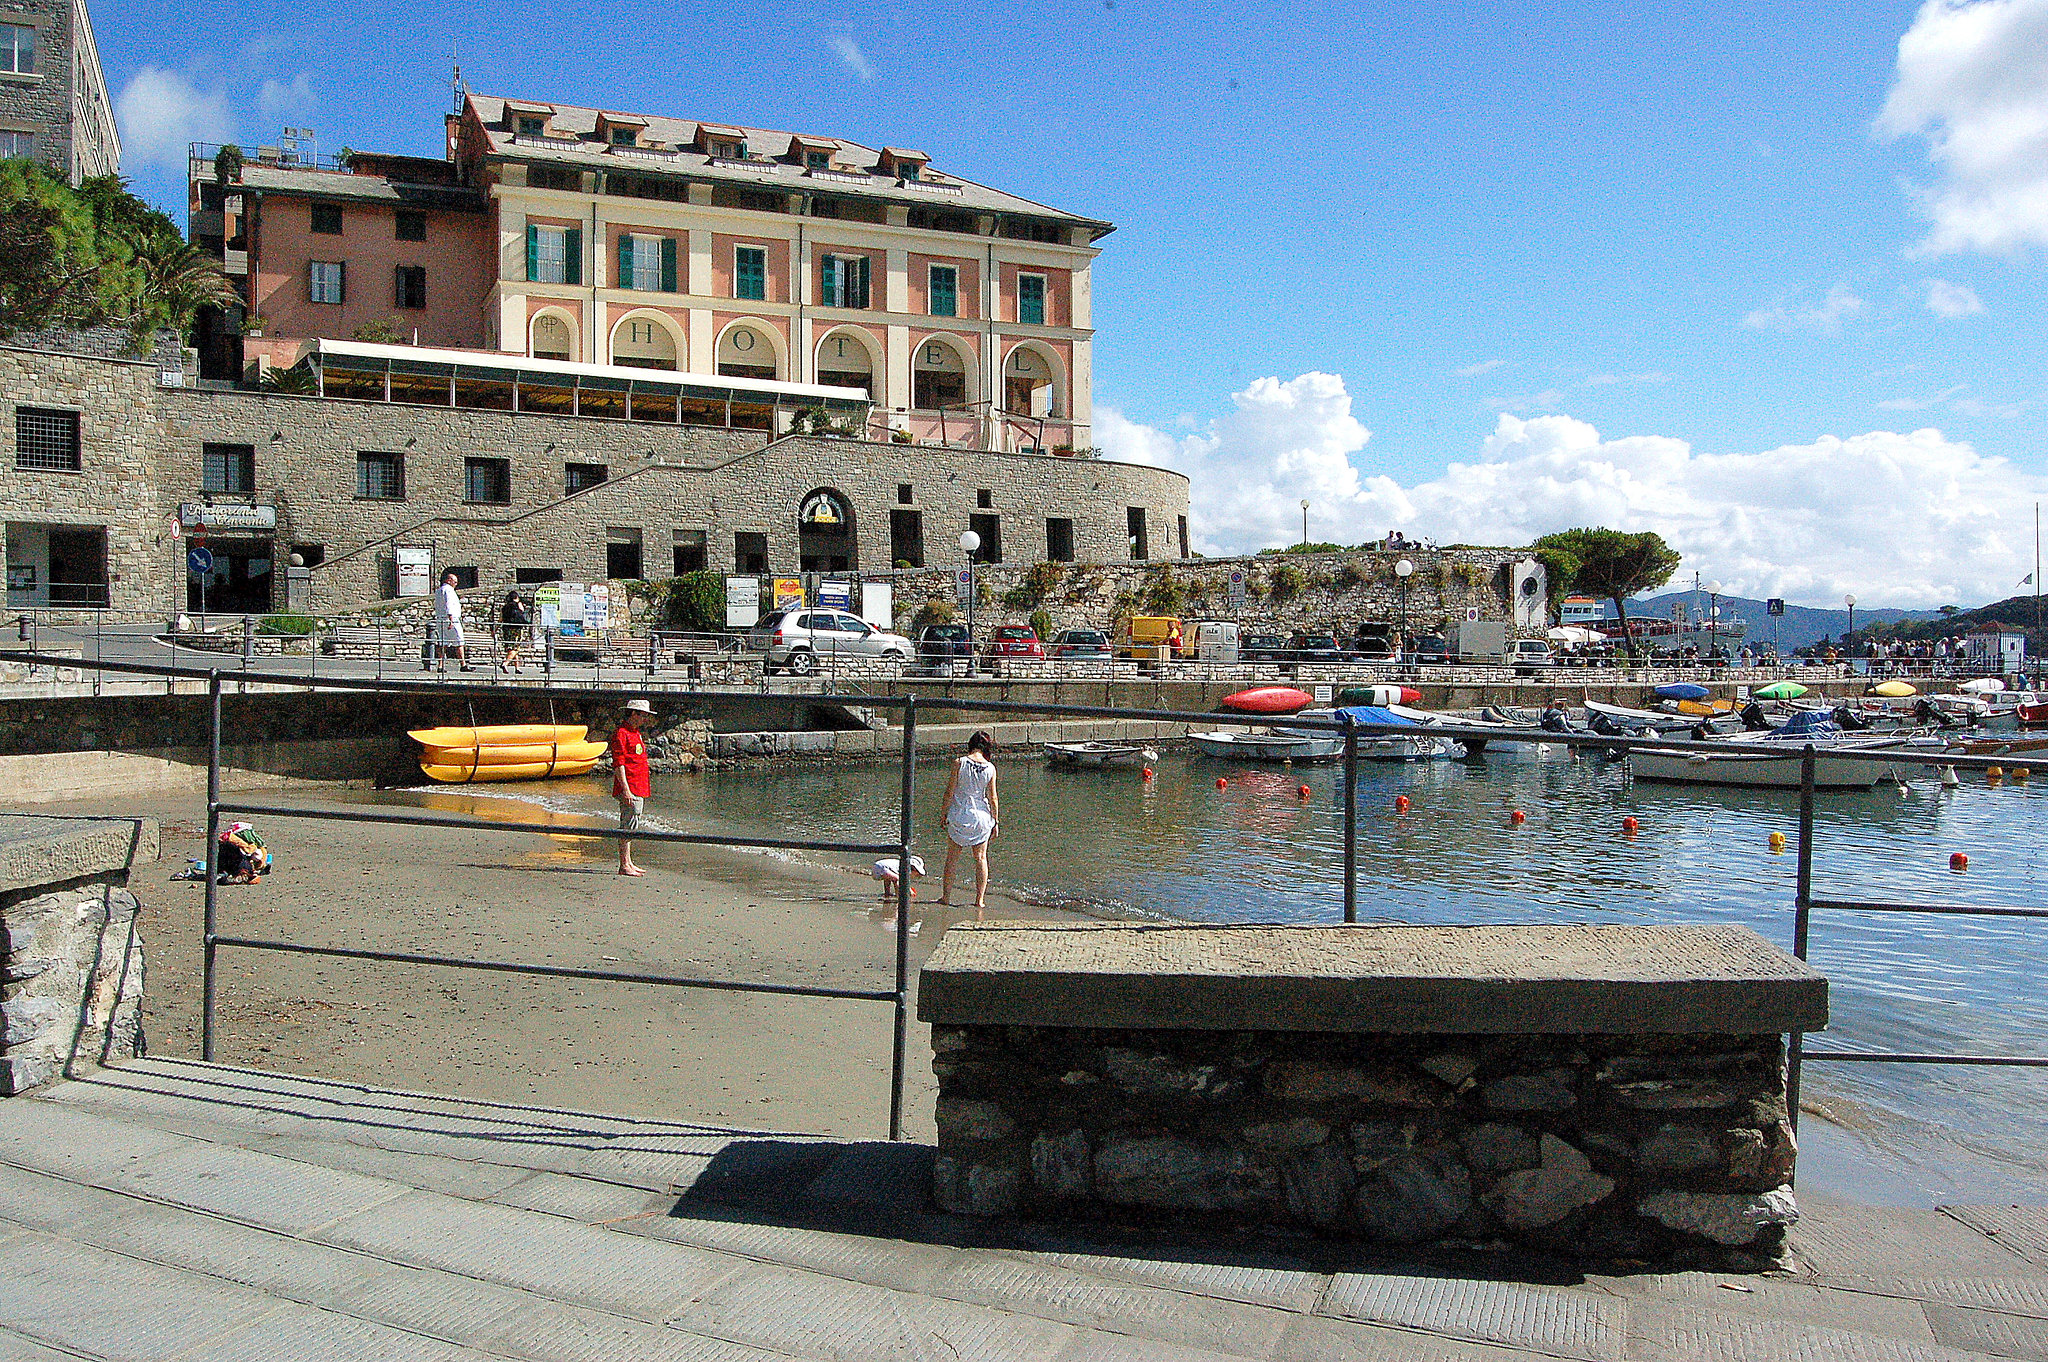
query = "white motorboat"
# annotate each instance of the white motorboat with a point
(1848, 761)
(1099, 754)
(1416, 745)
(1271, 745)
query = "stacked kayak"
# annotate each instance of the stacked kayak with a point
(1268, 700)
(498, 752)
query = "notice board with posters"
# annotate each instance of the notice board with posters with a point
(742, 602)
(571, 610)
(547, 605)
(789, 591)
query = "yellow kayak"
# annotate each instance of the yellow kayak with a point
(520, 755)
(1706, 708)
(529, 770)
(1893, 690)
(500, 735)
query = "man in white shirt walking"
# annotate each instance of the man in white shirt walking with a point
(448, 619)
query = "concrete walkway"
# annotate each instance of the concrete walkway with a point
(178, 1210)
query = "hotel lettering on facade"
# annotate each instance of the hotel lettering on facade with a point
(629, 347)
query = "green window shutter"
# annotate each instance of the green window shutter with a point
(828, 278)
(532, 252)
(572, 252)
(668, 264)
(625, 279)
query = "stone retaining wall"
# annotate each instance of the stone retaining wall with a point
(71, 962)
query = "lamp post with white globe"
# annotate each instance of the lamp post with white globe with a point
(1304, 522)
(1713, 620)
(970, 542)
(1848, 643)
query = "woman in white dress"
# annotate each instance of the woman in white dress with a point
(970, 819)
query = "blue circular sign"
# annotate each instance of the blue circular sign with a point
(199, 559)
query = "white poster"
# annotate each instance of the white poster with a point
(742, 602)
(415, 571)
(597, 607)
(878, 604)
(572, 609)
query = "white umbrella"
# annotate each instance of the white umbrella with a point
(1571, 633)
(1983, 685)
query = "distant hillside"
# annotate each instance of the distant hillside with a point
(1797, 627)
(2017, 612)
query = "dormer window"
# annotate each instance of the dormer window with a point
(730, 151)
(817, 160)
(624, 137)
(904, 163)
(532, 127)
(620, 130)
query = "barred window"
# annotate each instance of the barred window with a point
(487, 480)
(227, 468)
(380, 477)
(46, 441)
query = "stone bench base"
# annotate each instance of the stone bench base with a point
(1614, 1146)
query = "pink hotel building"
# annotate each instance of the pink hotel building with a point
(611, 239)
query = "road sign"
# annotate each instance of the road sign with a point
(199, 559)
(1774, 606)
(1237, 590)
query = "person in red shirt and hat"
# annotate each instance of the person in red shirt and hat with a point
(629, 776)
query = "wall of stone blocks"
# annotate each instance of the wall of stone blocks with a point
(42, 101)
(71, 976)
(1650, 1147)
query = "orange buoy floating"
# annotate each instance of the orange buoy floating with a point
(1221, 782)
(1994, 773)
(1629, 826)
(1777, 841)
(1401, 804)
(1958, 861)
(1302, 793)
(1148, 773)
(2019, 775)
(1517, 818)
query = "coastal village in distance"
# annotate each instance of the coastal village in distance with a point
(604, 759)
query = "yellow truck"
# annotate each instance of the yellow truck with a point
(1149, 638)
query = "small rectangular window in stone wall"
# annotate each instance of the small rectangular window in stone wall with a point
(380, 477)
(227, 468)
(487, 480)
(17, 49)
(46, 441)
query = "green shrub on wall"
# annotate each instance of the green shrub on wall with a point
(1285, 582)
(693, 602)
(286, 625)
(1035, 586)
(934, 611)
(1041, 624)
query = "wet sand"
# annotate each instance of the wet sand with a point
(742, 1060)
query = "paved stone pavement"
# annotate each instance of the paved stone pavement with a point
(176, 1210)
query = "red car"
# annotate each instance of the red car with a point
(1015, 641)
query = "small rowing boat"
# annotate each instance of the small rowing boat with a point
(1099, 754)
(1241, 745)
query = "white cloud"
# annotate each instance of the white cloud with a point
(1900, 519)
(1609, 380)
(160, 111)
(856, 61)
(1823, 318)
(1952, 300)
(281, 101)
(1920, 403)
(1484, 366)
(1972, 79)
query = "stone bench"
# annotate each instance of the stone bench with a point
(1613, 1091)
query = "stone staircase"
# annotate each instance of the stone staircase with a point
(171, 1209)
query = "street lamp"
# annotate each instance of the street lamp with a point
(1848, 647)
(1403, 570)
(1713, 620)
(969, 542)
(1304, 522)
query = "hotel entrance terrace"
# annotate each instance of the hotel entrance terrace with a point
(479, 381)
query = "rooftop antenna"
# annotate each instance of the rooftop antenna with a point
(298, 146)
(458, 90)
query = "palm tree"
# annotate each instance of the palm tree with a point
(175, 279)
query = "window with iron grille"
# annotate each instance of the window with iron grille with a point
(46, 441)
(380, 477)
(487, 480)
(227, 468)
(578, 477)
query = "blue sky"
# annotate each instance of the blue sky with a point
(1475, 272)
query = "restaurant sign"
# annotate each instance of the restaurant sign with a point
(232, 516)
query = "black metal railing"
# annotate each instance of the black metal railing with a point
(910, 708)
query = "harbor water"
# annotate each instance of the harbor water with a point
(1177, 848)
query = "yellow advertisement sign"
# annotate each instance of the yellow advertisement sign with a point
(788, 591)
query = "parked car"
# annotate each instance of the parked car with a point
(800, 638)
(1015, 643)
(1308, 647)
(1429, 650)
(1079, 645)
(1263, 648)
(1525, 655)
(1372, 642)
(941, 647)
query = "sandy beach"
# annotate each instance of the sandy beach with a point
(732, 1059)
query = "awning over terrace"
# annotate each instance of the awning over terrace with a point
(480, 380)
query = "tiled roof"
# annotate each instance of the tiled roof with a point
(330, 184)
(669, 145)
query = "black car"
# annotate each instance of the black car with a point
(1307, 647)
(1263, 648)
(941, 646)
(1372, 643)
(1429, 650)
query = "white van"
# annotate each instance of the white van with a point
(1525, 655)
(1216, 641)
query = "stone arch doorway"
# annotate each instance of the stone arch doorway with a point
(826, 538)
